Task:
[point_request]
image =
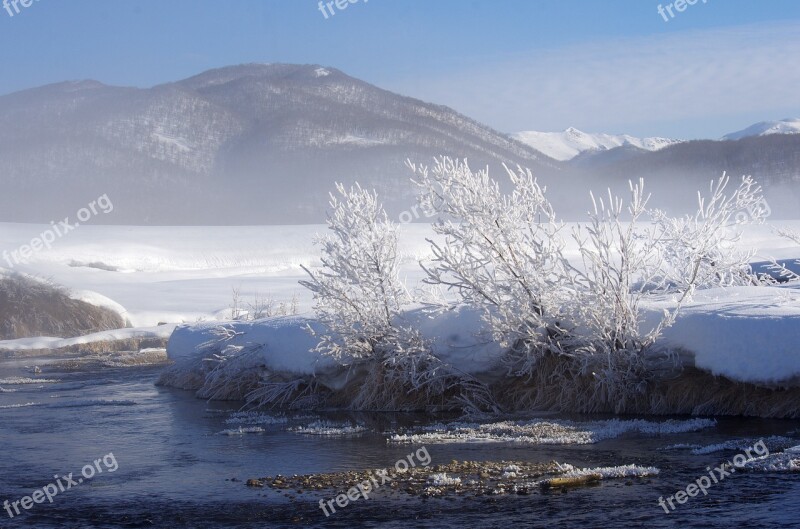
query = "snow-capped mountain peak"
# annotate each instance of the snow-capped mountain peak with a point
(572, 142)
(766, 128)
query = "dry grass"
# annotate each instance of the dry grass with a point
(93, 348)
(554, 387)
(557, 387)
(133, 358)
(35, 308)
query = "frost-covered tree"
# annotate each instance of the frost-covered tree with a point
(358, 292)
(621, 263)
(501, 252)
(701, 250)
(359, 298)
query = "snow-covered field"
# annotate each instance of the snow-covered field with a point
(187, 274)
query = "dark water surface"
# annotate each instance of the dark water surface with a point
(175, 469)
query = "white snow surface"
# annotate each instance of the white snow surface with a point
(766, 128)
(289, 347)
(572, 142)
(749, 334)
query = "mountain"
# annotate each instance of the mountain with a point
(265, 143)
(766, 128)
(572, 142)
(248, 144)
(675, 173)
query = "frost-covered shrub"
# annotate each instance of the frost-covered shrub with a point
(504, 253)
(500, 252)
(261, 307)
(784, 271)
(620, 261)
(358, 293)
(700, 250)
(359, 298)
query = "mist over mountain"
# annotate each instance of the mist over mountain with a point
(675, 173)
(264, 144)
(250, 144)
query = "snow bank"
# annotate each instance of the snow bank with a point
(288, 346)
(747, 334)
(99, 300)
(456, 338)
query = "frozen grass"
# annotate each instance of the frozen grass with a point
(624, 471)
(443, 480)
(254, 418)
(23, 380)
(13, 406)
(773, 443)
(242, 431)
(675, 390)
(786, 461)
(325, 428)
(545, 432)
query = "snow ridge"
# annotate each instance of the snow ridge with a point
(568, 144)
(767, 128)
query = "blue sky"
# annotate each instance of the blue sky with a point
(611, 66)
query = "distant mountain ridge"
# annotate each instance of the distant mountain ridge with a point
(767, 128)
(572, 142)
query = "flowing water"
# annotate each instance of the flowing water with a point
(172, 468)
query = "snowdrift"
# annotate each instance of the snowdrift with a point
(746, 334)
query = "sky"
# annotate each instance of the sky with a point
(602, 66)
